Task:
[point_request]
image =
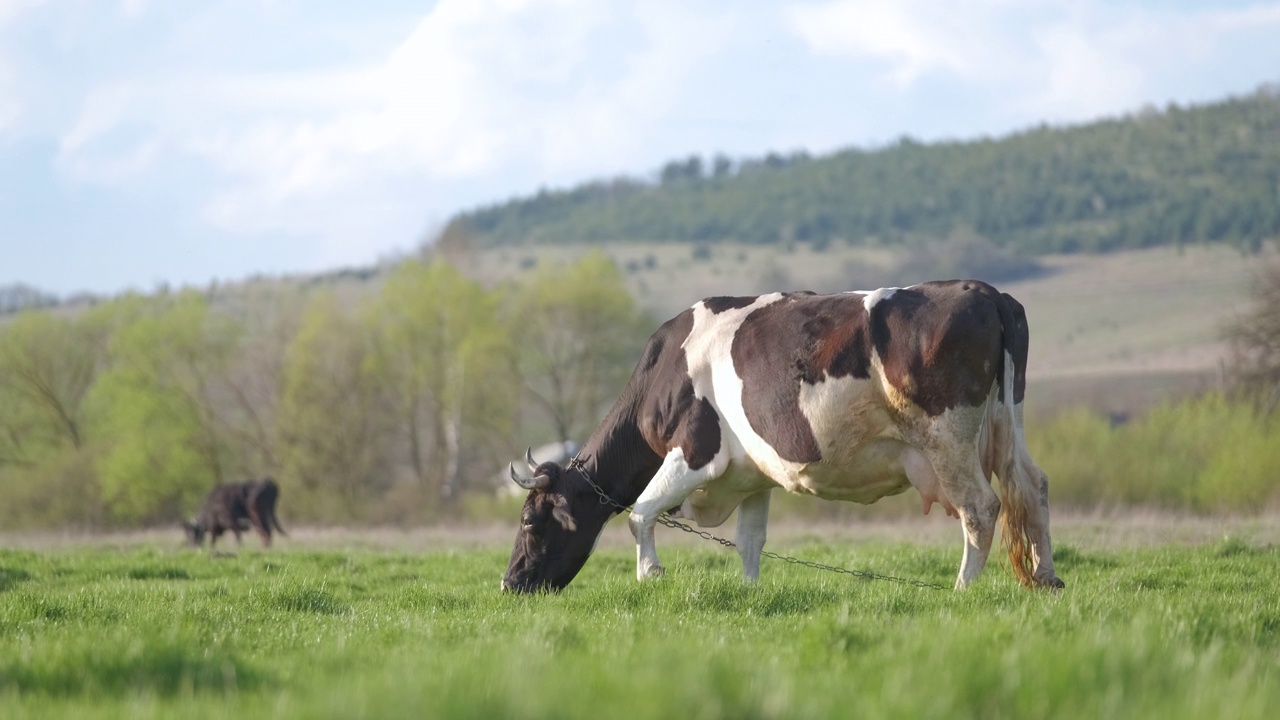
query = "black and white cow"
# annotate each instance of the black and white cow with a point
(852, 396)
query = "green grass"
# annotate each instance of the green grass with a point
(1167, 632)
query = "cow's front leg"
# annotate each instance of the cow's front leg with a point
(673, 482)
(753, 521)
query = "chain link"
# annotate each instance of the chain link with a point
(667, 520)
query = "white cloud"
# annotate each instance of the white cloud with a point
(548, 90)
(1057, 59)
(313, 125)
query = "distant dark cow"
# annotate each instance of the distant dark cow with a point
(237, 507)
(853, 396)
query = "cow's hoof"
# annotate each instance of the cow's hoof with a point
(649, 572)
(1053, 582)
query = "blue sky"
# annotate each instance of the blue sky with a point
(146, 142)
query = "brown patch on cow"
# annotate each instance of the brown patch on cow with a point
(816, 337)
(699, 437)
(941, 343)
(672, 415)
(681, 419)
(840, 341)
(724, 303)
(666, 340)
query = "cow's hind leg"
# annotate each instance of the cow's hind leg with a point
(1033, 494)
(753, 521)
(673, 482)
(952, 451)
(261, 525)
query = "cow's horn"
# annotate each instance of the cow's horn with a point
(528, 457)
(537, 482)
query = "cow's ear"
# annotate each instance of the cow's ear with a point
(560, 511)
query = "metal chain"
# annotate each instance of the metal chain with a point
(667, 520)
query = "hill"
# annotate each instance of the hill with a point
(1208, 173)
(1116, 332)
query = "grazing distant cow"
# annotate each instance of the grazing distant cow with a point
(853, 396)
(237, 507)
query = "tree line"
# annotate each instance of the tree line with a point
(388, 406)
(400, 400)
(1208, 173)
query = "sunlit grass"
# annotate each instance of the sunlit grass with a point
(1168, 632)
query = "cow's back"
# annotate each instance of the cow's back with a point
(817, 390)
(262, 494)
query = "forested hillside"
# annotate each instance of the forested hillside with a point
(1206, 173)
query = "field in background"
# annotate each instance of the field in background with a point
(1166, 632)
(1118, 332)
(1085, 531)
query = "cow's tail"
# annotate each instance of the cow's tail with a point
(275, 522)
(1005, 452)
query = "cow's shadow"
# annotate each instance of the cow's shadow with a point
(223, 554)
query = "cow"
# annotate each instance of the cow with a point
(237, 507)
(850, 396)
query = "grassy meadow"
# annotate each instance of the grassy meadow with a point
(1182, 629)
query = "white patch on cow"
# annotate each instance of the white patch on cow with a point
(870, 299)
(858, 438)
(673, 482)
(710, 341)
(709, 354)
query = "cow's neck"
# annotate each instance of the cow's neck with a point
(617, 458)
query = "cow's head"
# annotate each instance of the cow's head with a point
(559, 524)
(195, 533)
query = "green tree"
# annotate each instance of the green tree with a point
(270, 315)
(1202, 174)
(48, 362)
(333, 418)
(441, 345)
(163, 443)
(579, 334)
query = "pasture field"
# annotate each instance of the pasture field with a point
(1180, 629)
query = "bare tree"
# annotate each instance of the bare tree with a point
(1255, 339)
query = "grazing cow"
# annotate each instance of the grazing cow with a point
(852, 396)
(237, 507)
